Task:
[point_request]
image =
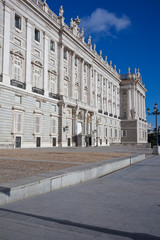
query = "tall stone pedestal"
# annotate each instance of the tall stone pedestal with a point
(81, 140)
(156, 150)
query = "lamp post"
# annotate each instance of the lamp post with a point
(155, 112)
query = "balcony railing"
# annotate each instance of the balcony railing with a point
(55, 96)
(18, 84)
(38, 90)
(115, 116)
(105, 113)
(111, 115)
(100, 111)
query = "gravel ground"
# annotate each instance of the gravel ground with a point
(21, 163)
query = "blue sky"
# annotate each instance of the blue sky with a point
(127, 32)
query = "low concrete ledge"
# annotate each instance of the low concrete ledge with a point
(43, 183)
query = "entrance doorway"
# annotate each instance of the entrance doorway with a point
(54, 142)
(38, 142)
(69, 142)
(18, 142)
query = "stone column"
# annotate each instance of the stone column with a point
(102, 93)
(90, 85)
(129, 104)
(28, 56)
(95, 92)
(82, 81)
(72, 74)
(107, 95)
(61, 70)
(62, 141)
(75, 120)
(136, 105)
(45, 73)
(139, 105)
(6, 45)
(144, 108)
(111, 98)
(116, 101)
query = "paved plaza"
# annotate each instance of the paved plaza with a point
(121, 206)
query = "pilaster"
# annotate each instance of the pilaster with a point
(28, 56)
(102, 93)
(82, 80)
(72, 74)
(6, 45)
(45, 74)
(95, 80)
(90, 85)
(61, 70)
(129, 104)
(107, 95)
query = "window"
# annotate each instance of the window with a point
(54, 108)
(17, 69)
(115, 133)
(37, 124)
(92, 73)
(75, 61)
(54, 125)
(109, 85)
(18, 99)
(17, 21)
(124, 115)
(106, 132)
(37, 35)
(38, 104)
(66, 89)
(98, 78)
(52, 45)
(124, 133)
(110, 132)
(124, 92)
(76, 93)
(85, 96)
(53, 84)
(85, 68)
(65, 54)
(18, 122)
(37, 77)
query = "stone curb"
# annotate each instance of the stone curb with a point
(43, 183)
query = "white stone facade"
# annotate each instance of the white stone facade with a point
(56, 90)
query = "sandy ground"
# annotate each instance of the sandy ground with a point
(21, 163)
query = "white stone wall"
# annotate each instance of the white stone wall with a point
(52, 89)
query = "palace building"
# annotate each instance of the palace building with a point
(56, 90)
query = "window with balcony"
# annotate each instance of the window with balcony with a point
(54, 126)
(18, 122)
(17, 69)
(37, 124)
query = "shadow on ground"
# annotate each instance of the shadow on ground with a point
(64, 223)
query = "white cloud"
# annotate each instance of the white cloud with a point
(102, 21)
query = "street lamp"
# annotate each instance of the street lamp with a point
(156, 112)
